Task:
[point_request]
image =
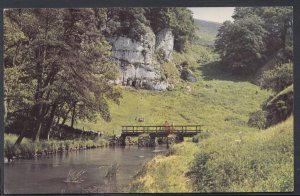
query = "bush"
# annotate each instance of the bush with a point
(279, 107)
(9, 150)
(257, 119)
(28, 149)
(262, 162)
(277, 78)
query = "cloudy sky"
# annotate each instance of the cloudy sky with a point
(215, 14)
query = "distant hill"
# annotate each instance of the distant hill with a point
(207, 31)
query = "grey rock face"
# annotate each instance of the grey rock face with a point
(137, 61)
(165, 43)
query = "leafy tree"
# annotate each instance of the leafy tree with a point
(277, 78)
(241, 44)
(256, 34)
(180, 20)
(68, 61)
(277, 22)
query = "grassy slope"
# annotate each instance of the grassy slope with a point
(269, 151)
(220, 104)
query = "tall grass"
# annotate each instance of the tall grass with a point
(29, 149)
(166, 174)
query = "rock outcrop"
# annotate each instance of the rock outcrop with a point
(137, 59)
(165, 44)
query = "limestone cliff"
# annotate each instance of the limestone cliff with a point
(138, 61)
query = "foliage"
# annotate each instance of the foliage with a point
(257, 119)
(194, 56)
(168, 69)
(241, 44)
(247, 166)
(277, 78)
(180, 20)
(137, 22)
(255, 34)
(28, 149)
(56, 62)
(280, 106)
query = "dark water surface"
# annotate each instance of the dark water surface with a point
(47, 174)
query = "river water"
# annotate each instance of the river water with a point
(47, 174)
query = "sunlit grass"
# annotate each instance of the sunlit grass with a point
(262, 161)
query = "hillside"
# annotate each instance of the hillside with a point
(217, 100)
(207, 31)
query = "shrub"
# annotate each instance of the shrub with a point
(257, 119)
(9, 150)
(28, 149)
(279, 107)
(277, 78)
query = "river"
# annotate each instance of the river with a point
(47, 174)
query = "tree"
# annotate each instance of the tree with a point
(241, 44)
(180, 20)
(68, 61)
(256, 34)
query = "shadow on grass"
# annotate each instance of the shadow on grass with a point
(215, 71)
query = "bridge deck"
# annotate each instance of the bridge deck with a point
(137, 130)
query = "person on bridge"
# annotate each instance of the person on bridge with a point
(166, 126)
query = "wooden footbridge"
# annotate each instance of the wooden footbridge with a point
(159, 131)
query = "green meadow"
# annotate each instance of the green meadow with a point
(219, 101)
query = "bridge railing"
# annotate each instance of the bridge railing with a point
(151, 129)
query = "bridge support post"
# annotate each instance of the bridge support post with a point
(140, 142)
(167, 142)
(179, 138)
(152, 141)
(122, 140)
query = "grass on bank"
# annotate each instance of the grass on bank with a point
(254, 161)
(29, 149)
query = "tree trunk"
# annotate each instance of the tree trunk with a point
(57, 121)
(21, 136)
(65, 118)
(73, 115)
(5, 111)
(50, 121)
(19, 140)
(39, 120)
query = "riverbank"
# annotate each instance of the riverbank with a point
(224, 162)
(27, 149)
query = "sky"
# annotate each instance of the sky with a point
(214, 14)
